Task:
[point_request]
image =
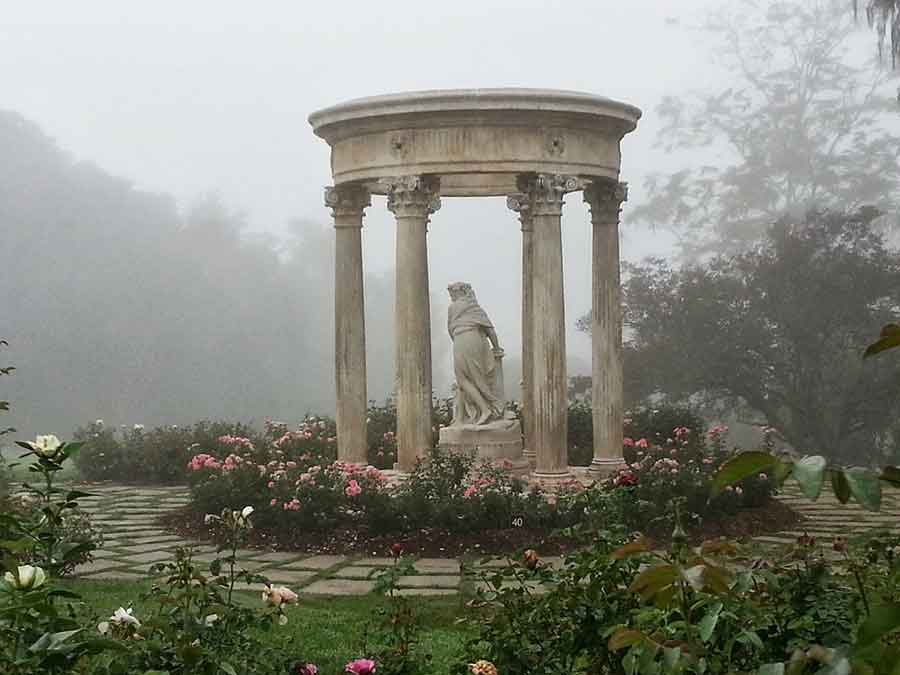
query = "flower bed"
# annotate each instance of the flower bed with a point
(452, 504)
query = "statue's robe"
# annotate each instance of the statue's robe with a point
(474, 364)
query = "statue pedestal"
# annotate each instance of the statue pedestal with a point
(498, 442)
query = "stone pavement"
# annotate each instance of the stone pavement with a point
(133, 542)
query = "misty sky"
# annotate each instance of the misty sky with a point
(190, 97)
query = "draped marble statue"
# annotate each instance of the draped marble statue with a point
(477, 360)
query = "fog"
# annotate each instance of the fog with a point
(115, 309)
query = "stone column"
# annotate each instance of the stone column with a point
(605, 200)
(549, 386)
(521, 204)
(347, 203)
(412, 199)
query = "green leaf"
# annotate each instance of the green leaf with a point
(77, 494)
(625, 637)
(671, 657)
(227, 668)
(708, 623)
(809, 472)
(652, 580)
(771, 669)
(890, 338)
(52, 641)
(891, 474)
(865, 486)
(840, 486)
(740, 467)
(883, 619)
(636, 547)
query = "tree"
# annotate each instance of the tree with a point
(882, 14)
(779, 330)
(798, 127)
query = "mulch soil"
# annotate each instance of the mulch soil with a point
(431, 542)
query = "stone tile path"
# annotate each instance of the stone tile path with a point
(133, 542)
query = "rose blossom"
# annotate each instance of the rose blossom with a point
(360, 667)
(279, 595)
(353, 489)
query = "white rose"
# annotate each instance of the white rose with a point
(46, 446)
(138, 427)
(27, 577)
(246, 511)
(99, 423)
(123, 616)
(210, 619)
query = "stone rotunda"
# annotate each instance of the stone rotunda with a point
(532, 146)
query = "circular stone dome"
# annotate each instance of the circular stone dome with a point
(476, 140)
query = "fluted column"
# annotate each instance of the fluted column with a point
(549, 387)
(605, 200)
(347, 204)
(520, 203)
(412, 199)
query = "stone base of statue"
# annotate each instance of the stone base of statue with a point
(498, 442)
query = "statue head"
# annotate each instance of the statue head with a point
(460, 289)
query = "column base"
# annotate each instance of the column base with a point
(550, 480)
(601, 467)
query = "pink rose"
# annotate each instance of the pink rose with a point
(360, 667)
(280, 595)
(628, 442)
(642, 443)
(273, 502)
(353, 489)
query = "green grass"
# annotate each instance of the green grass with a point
(326, 631)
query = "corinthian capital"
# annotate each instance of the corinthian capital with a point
(605, 197)
(347, 200)
(412, 195)
(545, 192)
(521, 204)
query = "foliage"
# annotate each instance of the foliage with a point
(158, 455)
(581, 433)
(400, 622)
(4, 407)
(521, 630)
(683, 467)
(49, 531)
(750, 329)
(37, 635)
(798, 127)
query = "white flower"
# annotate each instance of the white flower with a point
(27, 577)
(210, 619)
(246, 511)
(121, 617)
(138, 427)
(99, 423)
(210, 518)
(282, 619)
(46, 446)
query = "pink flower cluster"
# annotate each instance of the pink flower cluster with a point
(666, 464)
(477, 484)
(236, 442)
(353, 488)
(203, 461)
(718, 430)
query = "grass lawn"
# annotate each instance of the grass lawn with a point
(326, 631)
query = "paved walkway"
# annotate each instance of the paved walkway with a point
(133, 541)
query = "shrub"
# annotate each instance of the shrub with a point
(159, 455)
(682, 466)
(581, 433)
